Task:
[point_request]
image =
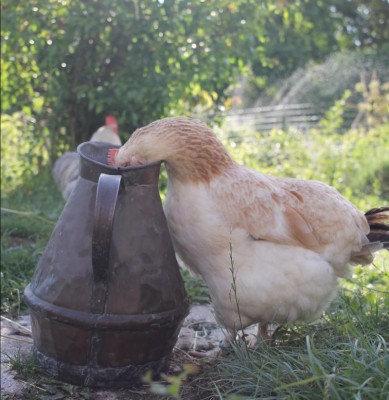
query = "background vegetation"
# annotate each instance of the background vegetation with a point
(65, 65)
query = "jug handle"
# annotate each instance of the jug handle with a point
(106, 197)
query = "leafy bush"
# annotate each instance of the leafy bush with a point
(23, 153)
(355, 162)
(323, 84)
(68, 64)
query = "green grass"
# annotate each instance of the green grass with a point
(344, 355)
(195, 287)
(23, 365)
(40, 386)
(28, 216)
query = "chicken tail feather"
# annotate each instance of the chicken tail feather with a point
(378, 220)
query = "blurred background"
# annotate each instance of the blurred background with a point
(247, 65)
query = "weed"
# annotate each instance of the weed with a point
(234, 291)
(39, 386)
(25, 366)
(172, 384)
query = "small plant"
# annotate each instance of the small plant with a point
(173, 384)
(373, 110)
(24, 365)
(234, 293)
(40, 386)
(333, 121)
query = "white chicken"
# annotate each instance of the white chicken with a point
(65, 170)
(283, 242)
(108, 133)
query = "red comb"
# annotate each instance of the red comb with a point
(111, 155)
(111, 121)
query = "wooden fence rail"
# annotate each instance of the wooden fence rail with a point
(263, 119)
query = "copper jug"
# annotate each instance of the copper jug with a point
(107, 299)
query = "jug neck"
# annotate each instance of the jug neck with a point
(93, 163)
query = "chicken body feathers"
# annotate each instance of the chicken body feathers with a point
(288, 239)
(275, 282)
(295, 212)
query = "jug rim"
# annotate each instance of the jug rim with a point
(106, 165)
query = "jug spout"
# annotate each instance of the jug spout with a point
(107, 299)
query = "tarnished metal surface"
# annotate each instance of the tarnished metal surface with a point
(104, 325)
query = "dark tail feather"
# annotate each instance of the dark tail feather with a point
(378, 219)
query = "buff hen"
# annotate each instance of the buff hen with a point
(288, 240)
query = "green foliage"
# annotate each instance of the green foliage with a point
(360, 161)
(23, 365)
(67, 64)
(195, 288)
(174, 383)
(364, 171)
(374, 109)
(28, 215)
(334, 120)
(17, 264)
(23, 152)
(37, 195)
(356, 163)
(364, 22)
(294, 35)
(301, 33)
(323, 84)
